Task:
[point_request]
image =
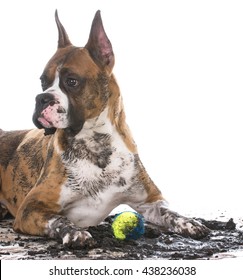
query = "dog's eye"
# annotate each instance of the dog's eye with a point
(71, 82)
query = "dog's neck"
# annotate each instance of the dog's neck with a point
(100, 124)
(117, 115)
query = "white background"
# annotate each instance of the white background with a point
(179, 65)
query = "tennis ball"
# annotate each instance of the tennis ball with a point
(128, 225)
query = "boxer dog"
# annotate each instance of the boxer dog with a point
(81, 161)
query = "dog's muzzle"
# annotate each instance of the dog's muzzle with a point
(43, 101)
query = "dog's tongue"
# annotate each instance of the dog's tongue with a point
(44, 122)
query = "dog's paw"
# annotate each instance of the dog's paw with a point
(191, 228)
(78, 239)
(71, 236)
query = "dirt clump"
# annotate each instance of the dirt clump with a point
(154, 244)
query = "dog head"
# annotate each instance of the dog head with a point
(75, 81)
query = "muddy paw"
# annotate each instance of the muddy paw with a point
(78, 239)
(70, 235)
(192, 228)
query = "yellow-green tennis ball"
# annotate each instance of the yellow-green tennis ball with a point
(128, 225)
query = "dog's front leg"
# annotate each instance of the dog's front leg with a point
(39, 215)
(154, 208)
(157, 212)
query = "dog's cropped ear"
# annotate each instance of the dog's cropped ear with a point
(99, 46)
(63, 40)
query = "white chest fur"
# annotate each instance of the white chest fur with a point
(100, 171)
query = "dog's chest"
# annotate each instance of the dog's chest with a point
(100, 172)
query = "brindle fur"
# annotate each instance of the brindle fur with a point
(41, 179)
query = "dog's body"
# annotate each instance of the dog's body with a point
(86, 164)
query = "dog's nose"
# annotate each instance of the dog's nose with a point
(45, 99)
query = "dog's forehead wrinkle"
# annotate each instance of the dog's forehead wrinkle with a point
(71, 53)
(79, 62)
(57, 60)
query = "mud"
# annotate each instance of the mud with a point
(225, 240)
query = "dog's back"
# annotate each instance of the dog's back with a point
(9, 143)
(19, 149)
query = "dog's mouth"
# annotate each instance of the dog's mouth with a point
(44, 122)
(50, 116)
(49, 113)
(41, 122)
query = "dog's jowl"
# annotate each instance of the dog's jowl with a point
(81, 161)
